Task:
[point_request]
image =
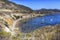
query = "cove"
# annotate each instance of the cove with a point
(35, 23)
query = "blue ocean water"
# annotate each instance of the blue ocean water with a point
(38, 22)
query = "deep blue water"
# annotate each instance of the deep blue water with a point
(38, 22)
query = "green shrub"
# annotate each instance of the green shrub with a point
(2, 33)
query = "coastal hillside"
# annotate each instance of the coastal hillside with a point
(47, 11)
(47, 33)
(8, 5)
(13, 15)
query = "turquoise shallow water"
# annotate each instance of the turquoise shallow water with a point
(38, 22)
